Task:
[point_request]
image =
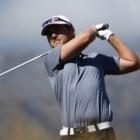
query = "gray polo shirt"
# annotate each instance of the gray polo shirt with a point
(79, 87)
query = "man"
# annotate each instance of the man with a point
(78, 79)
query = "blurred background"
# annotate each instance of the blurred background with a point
(28, 108)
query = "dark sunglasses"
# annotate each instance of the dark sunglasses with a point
(57, 29)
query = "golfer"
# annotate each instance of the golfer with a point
(77, 79)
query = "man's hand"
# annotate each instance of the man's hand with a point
(104, 34)
(102, 31)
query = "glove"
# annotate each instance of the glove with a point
(102, 31)
(104, 34)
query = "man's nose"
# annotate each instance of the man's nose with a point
(54, 35)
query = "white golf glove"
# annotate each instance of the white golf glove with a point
(103, 32)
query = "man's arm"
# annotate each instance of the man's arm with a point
(129, 61)
(77, 44)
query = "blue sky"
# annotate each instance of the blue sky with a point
(20, 21)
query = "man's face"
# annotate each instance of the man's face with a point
(59, 35)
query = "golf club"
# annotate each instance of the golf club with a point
(24, 63)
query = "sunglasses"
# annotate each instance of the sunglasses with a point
(58, 29)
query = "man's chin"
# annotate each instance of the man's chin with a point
(58, 44)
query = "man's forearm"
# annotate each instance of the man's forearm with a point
(123, 50)
(129, 61)
(76, 45)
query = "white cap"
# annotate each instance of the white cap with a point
(59, 19)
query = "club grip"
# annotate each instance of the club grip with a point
(105, 26)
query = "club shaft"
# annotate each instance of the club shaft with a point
(24, 63)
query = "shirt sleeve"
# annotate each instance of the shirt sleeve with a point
(110, 64)
(52, 61)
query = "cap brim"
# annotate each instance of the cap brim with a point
(45, 28)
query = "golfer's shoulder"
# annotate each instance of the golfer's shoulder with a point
(53, 57)
(53, 53)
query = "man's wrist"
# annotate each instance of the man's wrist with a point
(94, 29)
(111, 37)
